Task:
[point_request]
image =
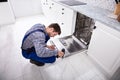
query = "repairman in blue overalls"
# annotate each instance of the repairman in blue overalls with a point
(34, 44)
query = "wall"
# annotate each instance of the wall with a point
(23, 8)
(106, 4)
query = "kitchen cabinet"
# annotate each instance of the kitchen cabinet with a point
(6, 13)
(49, 9)
(45, 7)
(104, 47)
(62, 15)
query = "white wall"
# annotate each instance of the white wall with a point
(106, 4)
(23, 8)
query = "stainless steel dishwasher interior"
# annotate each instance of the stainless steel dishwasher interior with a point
(71, 44)
(72, 2)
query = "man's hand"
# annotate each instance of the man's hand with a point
(60, 54)
(51, 47)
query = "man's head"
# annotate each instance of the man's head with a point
(53, 30)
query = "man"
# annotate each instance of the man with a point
(34, 45)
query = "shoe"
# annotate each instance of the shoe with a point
(37, 63)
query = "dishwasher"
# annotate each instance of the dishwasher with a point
(79, 40)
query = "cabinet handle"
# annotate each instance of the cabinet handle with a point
(50, 7)
(94, 27)
(62, 13)
(63, 9)
(62, 23)
(52, 3)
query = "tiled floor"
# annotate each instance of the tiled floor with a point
(14, 67)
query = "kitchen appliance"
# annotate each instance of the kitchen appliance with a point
(71, 45)
(79, 40)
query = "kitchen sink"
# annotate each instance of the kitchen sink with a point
(72, 2)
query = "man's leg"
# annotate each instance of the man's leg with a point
(41, 61)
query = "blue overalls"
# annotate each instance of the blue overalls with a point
(31, 53)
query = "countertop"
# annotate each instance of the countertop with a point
(96, 13)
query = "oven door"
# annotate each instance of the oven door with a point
(70, 43)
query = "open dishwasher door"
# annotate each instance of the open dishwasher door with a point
(71, 45)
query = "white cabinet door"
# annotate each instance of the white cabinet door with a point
(49, 10)
(6, 13)
(104, 48)
(64, 16)
(45, 7)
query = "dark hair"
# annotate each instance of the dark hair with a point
(56, 27)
